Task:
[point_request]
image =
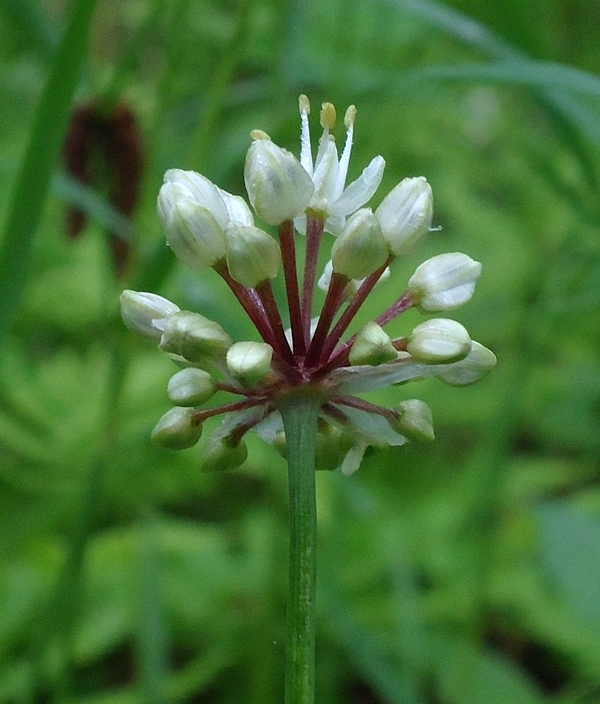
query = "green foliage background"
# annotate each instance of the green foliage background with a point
(463, 572)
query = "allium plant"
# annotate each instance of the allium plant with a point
(298, 389)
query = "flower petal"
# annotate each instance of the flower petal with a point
(371, 427)
(238, 209)
(353, 459)
(353, 380)
(359, 191)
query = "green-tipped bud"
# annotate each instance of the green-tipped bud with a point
(253, 256)
(194, 216)
(145, 313)
(176, 431)
(472, 368)
(405, 214)
(249, 362)
(190, 387)
(360, 249)
(219, 455)
(415, 420)
(194, 337)
(444, 282)
(279, 188)
(439, 341)
(372, 346)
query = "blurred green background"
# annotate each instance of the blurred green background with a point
(462, 572)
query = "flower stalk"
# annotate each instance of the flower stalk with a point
(300, 412)
(298, 391)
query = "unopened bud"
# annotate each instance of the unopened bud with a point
(444, 282)
(279, 188)
(180, 185)
(405, 213)
(194, 337)
(372, 346)
(472, 368)
(253, 256)
(219, 455)
(190, 387)
(360, 249)
(145, 313)
(249, 362)
(194, 216)
(438, 341)
(415, 420)
(175, 430)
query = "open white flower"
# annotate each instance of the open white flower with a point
(332, 199)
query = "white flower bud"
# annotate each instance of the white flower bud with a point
(253, 256)
(249, 362)
(415, 421)
(360, 248)
(372, 346)
(175, 430)
(194, 337)
(444, 282)
(405, 213)
(220, 456)
(180, 185)
(472, 368)
(439, 341)
(278, 186)
(145, 313)
(195, 216)
(190, 387)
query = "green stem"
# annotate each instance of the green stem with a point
(300, 412)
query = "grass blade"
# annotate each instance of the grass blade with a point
(33, 179)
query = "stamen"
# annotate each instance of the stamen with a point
(259, 134)
(305, 147)
(328, 116)
(327, 123)
(304, 104)
(349, 118)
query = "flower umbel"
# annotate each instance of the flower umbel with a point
(208, 227)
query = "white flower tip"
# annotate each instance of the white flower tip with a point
(259, 134)
(350, 116)
(328, 116)
(445, 281)
(304, 104)
(439, 341)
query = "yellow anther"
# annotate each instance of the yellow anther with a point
(328, 116)
(259, 134)
(304, 104)
(350, 116)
